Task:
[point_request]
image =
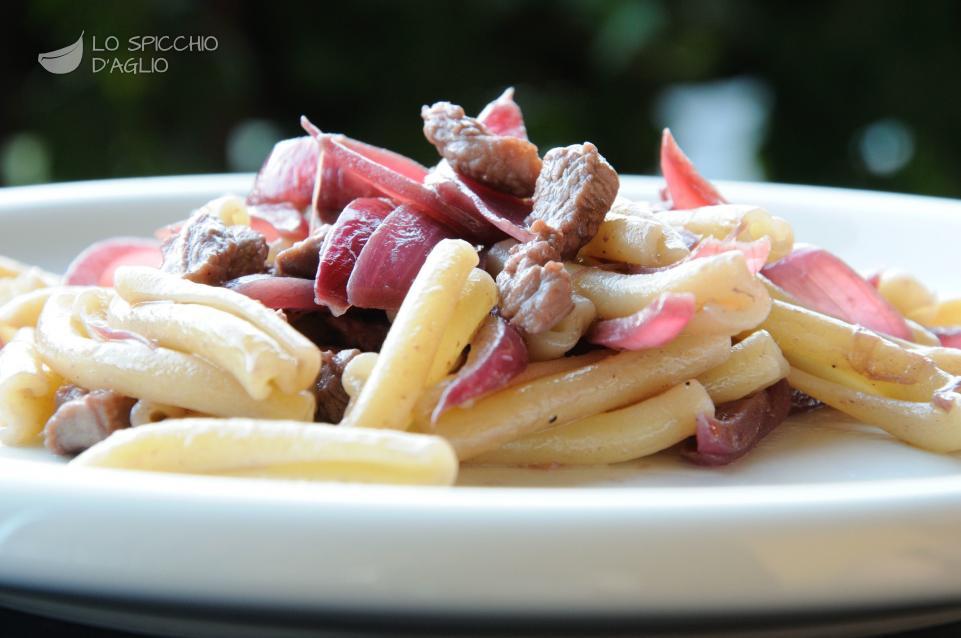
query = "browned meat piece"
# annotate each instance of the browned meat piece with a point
(505, 163)
(801, 402)
(303, 258)
(575, 189)
(84, 418)
(68, 392)
(206, 251)
(535, 289)
(329, 391)
(357, 328)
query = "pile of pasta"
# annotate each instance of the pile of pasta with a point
(222, 383)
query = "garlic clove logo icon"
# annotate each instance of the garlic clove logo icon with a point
(63, 60)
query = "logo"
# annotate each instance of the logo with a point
(138, 54)
(63, 60)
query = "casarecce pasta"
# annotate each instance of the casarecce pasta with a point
(388, 322)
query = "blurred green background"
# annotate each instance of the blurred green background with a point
(860, 94)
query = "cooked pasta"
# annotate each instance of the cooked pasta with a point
(143, 371)
(252, 357)
(745, 223)
(403, 366)
(475, 302)
(277, 449)
(17, 279)
(27, 389)
(355, 375)
(939, 314)
(638, 240)
(755, 363)
(565, 334)
(23, 310)
(608, 384)
(925, 424)
(729, 298)
(621, 329)
(621, 435)
(904, 291)
(145, 412)
(138, 285)
(854, 357)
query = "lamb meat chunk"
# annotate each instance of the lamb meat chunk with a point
(206, 251)
(802, 402)
(328, 390)
(303, 258)
(84, 418)
(535, 289)
(68, 392)
(505, 163)
(575, 189)
(357, 328)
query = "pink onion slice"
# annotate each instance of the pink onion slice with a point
(755, 252)
(287, 175)
(285, 293)
(104, 332)
(341, 248)
(497, 355)
(394, 161)
(503, 211)
(950, 337)
(822, 282)
(391, 258)
(96, 264)
(400, 185)
(339, 185)
(651, 327)
(278, 220)
(685, 185)
(504, 117)
(738, 426)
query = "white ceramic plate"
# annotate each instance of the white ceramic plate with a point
(826, 517)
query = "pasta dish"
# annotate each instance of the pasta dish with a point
(360, 317)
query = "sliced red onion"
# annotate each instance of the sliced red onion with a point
(278, 220)
(394, 161)
(738, 426)
(950, 337)
(391, 258)
(503, 211)
(504, 117)
(351, 169)
(96, 264)
(755, 252)
(287, 175)
(284, 293)
(652, 327)
(103, 332)
(342, 245)
(339, 185)
(399, 182)
(497, 355)
(684, 184)
(822, 282)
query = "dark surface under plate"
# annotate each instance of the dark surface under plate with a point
(24, 614)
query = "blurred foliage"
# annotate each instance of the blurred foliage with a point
(583, 70)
